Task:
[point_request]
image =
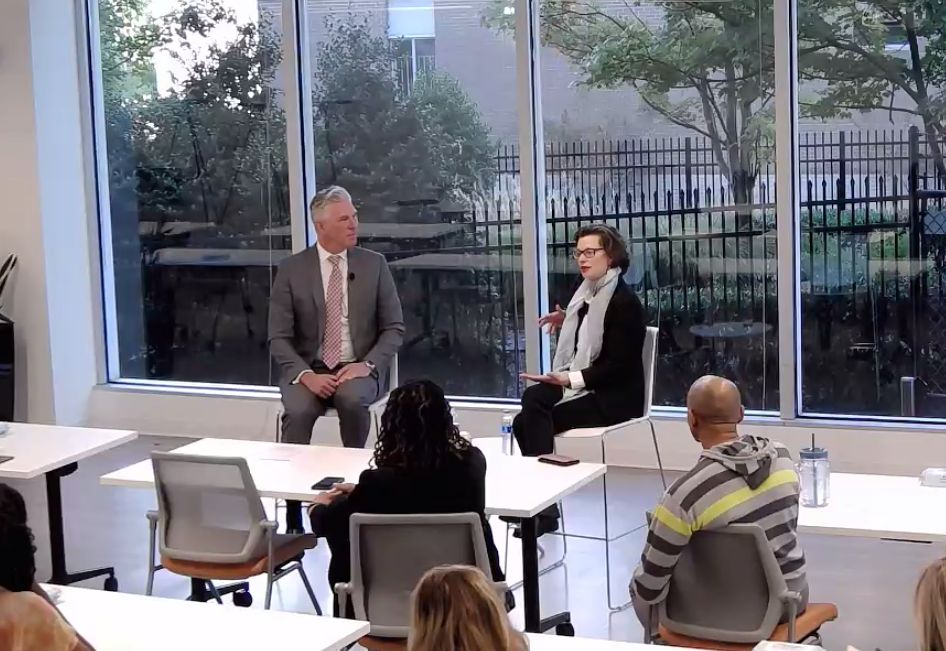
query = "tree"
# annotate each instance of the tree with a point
(844, 46)
(391, 147)
(200, 148)
(705, 66)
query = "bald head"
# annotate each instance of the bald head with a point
(714, 408)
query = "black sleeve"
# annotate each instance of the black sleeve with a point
(622, 348)
(332, 521)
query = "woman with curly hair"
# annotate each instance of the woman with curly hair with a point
(29, 621)
(421, 465)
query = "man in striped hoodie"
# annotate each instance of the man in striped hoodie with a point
(738, 479)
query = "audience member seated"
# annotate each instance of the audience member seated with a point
(421, 465)
(454, 608)
(929, 604)
(29, 621)
(738, 479)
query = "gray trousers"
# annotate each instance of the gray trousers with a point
(301, 408)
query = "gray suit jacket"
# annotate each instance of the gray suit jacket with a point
(297, 312)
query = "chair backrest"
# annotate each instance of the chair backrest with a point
(393, 378)
(208, 509)
(650, 360)
(390, 553)
(727, 586)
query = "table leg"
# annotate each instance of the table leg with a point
(561, 622)
(57, 543)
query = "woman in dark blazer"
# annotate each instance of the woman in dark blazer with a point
(421, 465)
(598, 376)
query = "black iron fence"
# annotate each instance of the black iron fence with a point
(702, 236)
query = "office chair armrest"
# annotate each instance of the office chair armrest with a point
(792, 600)
(343, 592)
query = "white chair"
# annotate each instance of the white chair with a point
(376, 408)
(611, 432)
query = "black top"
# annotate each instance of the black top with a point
(458, 487)
(617, 375)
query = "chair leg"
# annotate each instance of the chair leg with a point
(152, 525)
(607, 538)
(308, 589)
(214, 592)
(269, 591)
(660, 465)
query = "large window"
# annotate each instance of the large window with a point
(425, 154)
(194, 185)
(873, 228)
(658, 119)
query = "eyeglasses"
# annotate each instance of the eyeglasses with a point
(578, 254)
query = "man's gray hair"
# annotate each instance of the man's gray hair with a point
(327, 195)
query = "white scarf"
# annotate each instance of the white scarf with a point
(598, 296)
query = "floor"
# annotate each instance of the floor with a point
(871, 581)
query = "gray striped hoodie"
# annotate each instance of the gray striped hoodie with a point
(748, 479)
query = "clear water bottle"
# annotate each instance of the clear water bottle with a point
(505, 431)
(814, 471)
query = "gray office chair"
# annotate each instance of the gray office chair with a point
(727, 587)
(389, 555)
(210, 525)
(376, 408)
(610, 433)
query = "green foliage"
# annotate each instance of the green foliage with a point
(387, 145)
(204, 148)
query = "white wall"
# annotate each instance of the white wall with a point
(853, 448)
(44, 218)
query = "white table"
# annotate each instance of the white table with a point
(879, 506)
(519, 487)
(113, 621)
(55, 451)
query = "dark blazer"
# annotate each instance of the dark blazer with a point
(617, 375)
(297, 311)
(458, 487)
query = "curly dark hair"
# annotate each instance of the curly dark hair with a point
(17, 552)
(417, 429)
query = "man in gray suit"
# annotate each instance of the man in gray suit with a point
(335, 323)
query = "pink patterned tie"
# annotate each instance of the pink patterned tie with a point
(332, 341)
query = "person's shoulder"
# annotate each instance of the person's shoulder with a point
(624, 298)
(362, 254)
(301, 259)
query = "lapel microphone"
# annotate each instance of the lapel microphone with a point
(351, 276)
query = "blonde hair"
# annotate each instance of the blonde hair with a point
(455, 608)
(929, 604)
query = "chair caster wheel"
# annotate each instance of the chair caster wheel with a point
(111, 584)
(565, 630)
(242, 599)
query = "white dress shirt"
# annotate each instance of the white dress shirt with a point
(348, 353)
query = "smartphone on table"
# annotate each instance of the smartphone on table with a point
(326, 483)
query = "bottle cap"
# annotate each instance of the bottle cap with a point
(813, 454)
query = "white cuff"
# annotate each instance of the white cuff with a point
(299, 377)
(577, 380)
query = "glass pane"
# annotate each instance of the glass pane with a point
(431, 164)
(197, 205)
(659, 121)
(872, 209)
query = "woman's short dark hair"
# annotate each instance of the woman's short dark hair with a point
(17, 553)
(611, 241)
(417, 429)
